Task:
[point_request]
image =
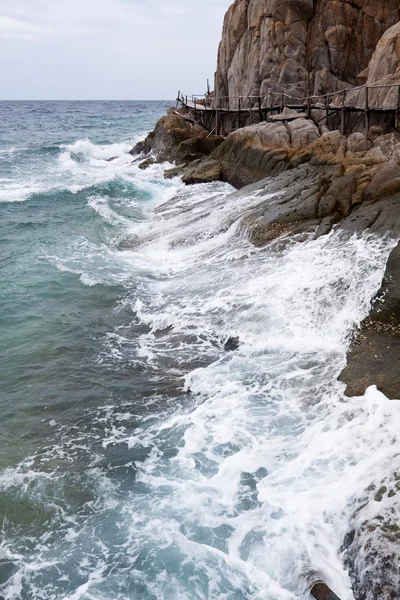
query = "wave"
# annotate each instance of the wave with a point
(86, 149)
(18, 192)
(83, 166)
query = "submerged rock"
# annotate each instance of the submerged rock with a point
(146, 163)
(374, 356)
(232, 344)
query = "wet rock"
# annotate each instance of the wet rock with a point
(174, 172)
(144, 146)
(374, 356)
(371, 549)
(338, 199)
(294, 208)
(199, 146)
(177, 138)
(232, 344)
(202, 172)
(320, 591)
(146, 163)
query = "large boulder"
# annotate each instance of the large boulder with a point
(202, 171)
(250, 154)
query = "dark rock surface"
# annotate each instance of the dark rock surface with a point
(371, 549)
(374, 357)
(321, 592)
(146, 163)
(232, 344)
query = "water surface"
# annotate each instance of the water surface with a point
(139, 459)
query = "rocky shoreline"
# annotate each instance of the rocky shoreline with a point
(325, 181)
(322, 180)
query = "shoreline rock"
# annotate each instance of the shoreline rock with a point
(374, 356)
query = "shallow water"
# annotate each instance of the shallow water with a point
(138, 459)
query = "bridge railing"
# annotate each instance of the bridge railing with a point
(366, 97)
(348, 109)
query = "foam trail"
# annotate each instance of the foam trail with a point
(272, 455)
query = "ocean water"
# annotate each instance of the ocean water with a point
(138, 459)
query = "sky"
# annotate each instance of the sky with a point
(108, 49)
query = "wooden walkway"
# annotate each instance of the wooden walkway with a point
(353, 109)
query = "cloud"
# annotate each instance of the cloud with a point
(105, 46)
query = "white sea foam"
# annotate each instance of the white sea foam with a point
(18, 192)
(273, 452)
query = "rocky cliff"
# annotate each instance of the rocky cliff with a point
(303, 47)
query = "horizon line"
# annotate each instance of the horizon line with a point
(85, 100)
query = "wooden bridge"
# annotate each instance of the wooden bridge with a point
(349, 110)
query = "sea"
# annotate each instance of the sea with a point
(140, 458)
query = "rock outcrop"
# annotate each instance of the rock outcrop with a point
(300, 47)
(373, 358)
(179, 138)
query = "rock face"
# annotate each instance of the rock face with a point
(374, 356)
(178, 138)
(385, 62)
(301, 47)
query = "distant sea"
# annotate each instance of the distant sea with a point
(139, 460)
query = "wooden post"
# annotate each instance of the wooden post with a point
(178, 98)
(240, 113)
(366, 110)
(327, 109)
(282, 101)
(308, 107)
(343, 114)
(260, 116)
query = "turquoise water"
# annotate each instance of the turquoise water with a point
(50, 322)
(138, 459)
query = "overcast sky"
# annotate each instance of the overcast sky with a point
(107, 49)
